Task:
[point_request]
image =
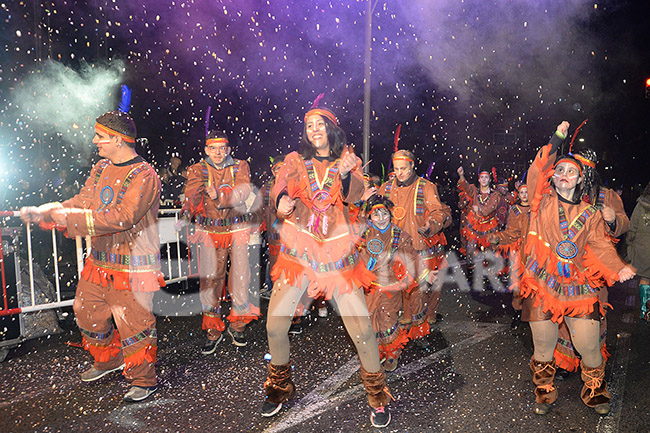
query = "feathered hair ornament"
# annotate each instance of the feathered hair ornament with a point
(207, 120)
(575, 133)
(396, 138)
(125, 102)
(317, 100)
(430, 169)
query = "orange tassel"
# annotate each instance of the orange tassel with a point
(322, 283)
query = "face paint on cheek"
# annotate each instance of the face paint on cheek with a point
(104, 141)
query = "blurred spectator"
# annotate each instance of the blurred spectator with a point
(173, 182)
(638, 248)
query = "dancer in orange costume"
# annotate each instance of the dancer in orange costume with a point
(566, 256)
(318, 255)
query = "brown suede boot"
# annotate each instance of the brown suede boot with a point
(545, 392)
(376, 389)
(594, 392)
(378, 396)
(278, 388)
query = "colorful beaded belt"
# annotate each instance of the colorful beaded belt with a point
(350, 260)
(222, 222)
(553, 283)
(126, 260)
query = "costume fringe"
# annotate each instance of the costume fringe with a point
(437, 239)
(506, 249)
(529, 286)
(253, 314)
(394, 348)
(543, 185)
(123, 280)
(597, 273)
(321, 251)
(274, 250)
(104, 353)
(478, 225)
(213, 322)
(419, 331)
(322, 283)
(463, 194)
(571, 362)
(147, 353)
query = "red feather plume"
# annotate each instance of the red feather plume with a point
(396, 139)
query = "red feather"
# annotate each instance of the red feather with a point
(575, 133)
(494, 174)
(396, 139)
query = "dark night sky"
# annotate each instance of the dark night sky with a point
(456, 75)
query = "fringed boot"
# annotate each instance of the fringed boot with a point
(644, 294)
(594, 392)
(378, 396)
(278, 388)
(545, 392)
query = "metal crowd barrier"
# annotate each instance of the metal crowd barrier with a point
(176, 265)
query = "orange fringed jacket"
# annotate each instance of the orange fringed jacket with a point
(479, 225)
(564, 286)
(224, 219)
(416, 204)
(318, 244)
(120, 213)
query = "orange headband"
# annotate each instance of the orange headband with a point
(523, 185)
(109, 131)
(402, 158)
(216, 140)
(324, 113)
(585, 161)
(378, 206)
(569, 160)
(484, 172)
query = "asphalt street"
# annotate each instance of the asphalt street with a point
(474, 377)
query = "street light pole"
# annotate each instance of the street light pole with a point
(366, 83)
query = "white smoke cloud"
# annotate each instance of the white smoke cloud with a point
(495, 52)
(63, 102)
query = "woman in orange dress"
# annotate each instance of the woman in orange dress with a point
(318, 256)
(566, 257)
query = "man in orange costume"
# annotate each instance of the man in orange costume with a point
(420, 213)
(118, 208)
(215, 195)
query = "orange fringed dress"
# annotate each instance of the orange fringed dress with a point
(516, 229)
(565, 355)
(479, 225)
(316, 242)
(391, 256)
(563, 286)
